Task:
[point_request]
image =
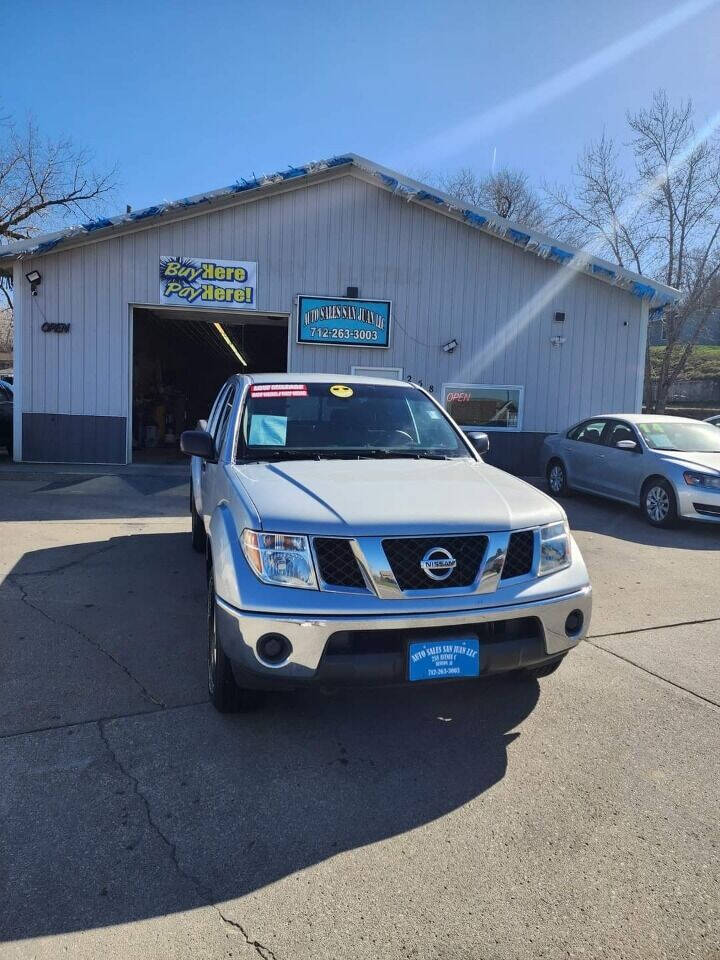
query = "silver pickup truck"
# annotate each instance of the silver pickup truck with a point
(353, 534)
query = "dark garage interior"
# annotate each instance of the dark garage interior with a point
(179, 364)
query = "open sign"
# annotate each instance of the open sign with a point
(55, 327)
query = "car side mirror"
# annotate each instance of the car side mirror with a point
(627, 445)
(480, 441)
(198, 443)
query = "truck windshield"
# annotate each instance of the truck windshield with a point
(311, 420)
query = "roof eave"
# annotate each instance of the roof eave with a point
(655, 293)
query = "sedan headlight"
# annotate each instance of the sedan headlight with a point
(701, 480)
(554, 548)
(280, 558)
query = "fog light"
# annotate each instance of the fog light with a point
(274, 648)
(574, 622)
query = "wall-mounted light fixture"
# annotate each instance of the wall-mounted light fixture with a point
(559, 317)
(450, 346)
(34, 279)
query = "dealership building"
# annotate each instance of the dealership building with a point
(126, 327)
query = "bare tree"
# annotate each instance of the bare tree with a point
(43, 183)
(507, 192)
(663, 220)
(6, 331)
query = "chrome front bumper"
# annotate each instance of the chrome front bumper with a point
(240, 630)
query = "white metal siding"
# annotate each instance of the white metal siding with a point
(445, 280)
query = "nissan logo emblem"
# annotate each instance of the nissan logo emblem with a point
(438, 563)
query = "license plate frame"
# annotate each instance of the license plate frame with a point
(448, 658)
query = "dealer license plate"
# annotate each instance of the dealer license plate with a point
(440, 659)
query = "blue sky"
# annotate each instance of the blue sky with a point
(185, 97)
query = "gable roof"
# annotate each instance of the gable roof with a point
(533, 241)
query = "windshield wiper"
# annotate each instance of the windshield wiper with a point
(404, 454)
(280, 455)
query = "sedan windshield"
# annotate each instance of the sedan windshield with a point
(685, 437)
(319, 420)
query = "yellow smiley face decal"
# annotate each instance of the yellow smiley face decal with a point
(340, 390)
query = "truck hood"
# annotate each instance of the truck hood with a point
(379, 497)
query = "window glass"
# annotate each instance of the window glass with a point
(687, 437)
(223, 419)
(217, 408)
(588, 432)
(620, 431)
(473, 405)
(5, 393)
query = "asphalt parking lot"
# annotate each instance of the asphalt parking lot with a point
(577, 817)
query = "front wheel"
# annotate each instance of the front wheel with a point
(199, 537)
(658, 503)
(536, 673)
(557, 479)
(222, 689)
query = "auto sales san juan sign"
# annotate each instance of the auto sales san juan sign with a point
(199, 282)
(340, 322)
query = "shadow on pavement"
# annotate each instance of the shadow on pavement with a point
(112, 821)
(66, 496)
(625, 522)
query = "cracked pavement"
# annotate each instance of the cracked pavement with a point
(503, 820)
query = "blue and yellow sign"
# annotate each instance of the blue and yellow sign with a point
(202, 282)
(340, 322)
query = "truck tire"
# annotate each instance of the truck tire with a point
(224, 693)
(535, 673)
(199, 537)
(222, 689)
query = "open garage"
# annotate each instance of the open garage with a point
(180, 361)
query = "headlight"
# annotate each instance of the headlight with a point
(554, 548)
(280, 558)
(701, 480)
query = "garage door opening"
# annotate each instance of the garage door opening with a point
(180, 361)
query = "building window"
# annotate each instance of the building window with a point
(484, 406)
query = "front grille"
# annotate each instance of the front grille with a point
(337, 563)
(404, 556)
(354, 642)
(520, 554)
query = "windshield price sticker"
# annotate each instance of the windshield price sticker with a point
(267, 391)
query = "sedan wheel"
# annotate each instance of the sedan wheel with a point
(659, 504)
(557, 479)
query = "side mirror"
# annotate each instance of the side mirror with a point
(197, 443)
(480, 441)
(627, 445)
